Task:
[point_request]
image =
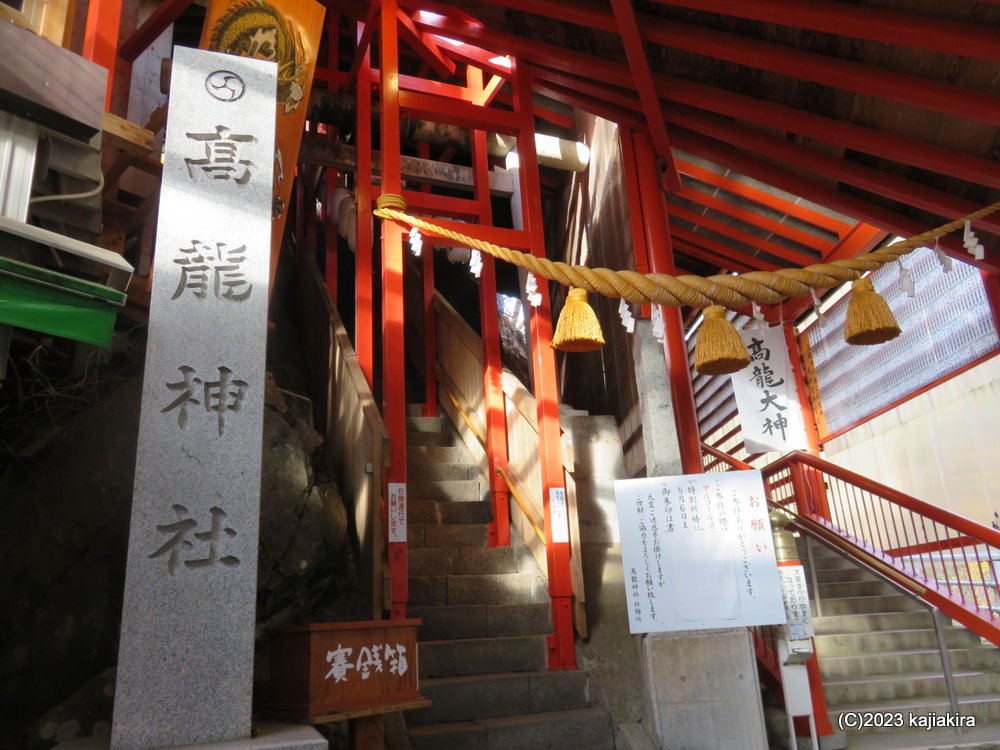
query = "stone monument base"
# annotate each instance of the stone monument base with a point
(269, 737)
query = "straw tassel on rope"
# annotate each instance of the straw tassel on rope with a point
(869, 319)
(578, 329)
(720, 349)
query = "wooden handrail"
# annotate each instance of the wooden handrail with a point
(523, 505)
(445, 382)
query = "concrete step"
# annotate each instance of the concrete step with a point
(865, 623)
(448, 512)
(430, 561)
(425, 424)
(869, 689)
(429, 439)
(841, 575)
(498, 588)
(470, 698)
(841, 644)
(910, 660)
(852, 605)
(465, 656)
(984, 708)
(453, 490)
(446, 535)
(435, 454)
(983, 737)
(420, 468)
(482, 620)
(854, 588)
(414, 410)
(581, 729)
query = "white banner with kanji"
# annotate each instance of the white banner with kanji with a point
(770, 413)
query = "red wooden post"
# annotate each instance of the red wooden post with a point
(496, 418)
(561, 647)
(364, 314)
(430, 322)
(100, 38)
(991, 283)
(394, 387)
(661, 260)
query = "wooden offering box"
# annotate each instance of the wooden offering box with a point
(326, 668)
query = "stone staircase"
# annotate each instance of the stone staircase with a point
(486, 617)
(878, 652)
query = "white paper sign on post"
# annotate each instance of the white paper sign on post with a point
(559, 515)
(796, 596)
(697, 552)
(770, 413)
(397, 511)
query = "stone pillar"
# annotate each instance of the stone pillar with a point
(185, 666)
(702, 689)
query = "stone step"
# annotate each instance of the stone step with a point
(419, 468)
(425, 424)
(446, 535)
(984, 708)
(854, 588)
(447, 512)
(470, 698)
(983, 737)
(498, 588)
(429, 439)
(851, 605)
(482, 620)
(871, 689)
(842, 644)
(841, 575)
(909, 660)
(431, 561)
(453, 490)
(865, 623)
(435, 454)
(581, 729)
(414, 410)
(466, 656)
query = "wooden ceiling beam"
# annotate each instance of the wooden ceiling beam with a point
(734, 233)
(426, 47)
(833, 167)
(783, 179)
(751, 217)
(712, 251)
(859, 22)
(810, 66)
(932, 95)
(628, 30)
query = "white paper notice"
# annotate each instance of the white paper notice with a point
(796, 596)
(698, 553)
(397, 512)
(559, 515)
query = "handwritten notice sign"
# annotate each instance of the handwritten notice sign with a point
(796, 598)
(559, 513)
(766, 396)
(185, 668)
(697, 552)
(397, 511)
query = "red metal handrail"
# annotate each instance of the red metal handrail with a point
(948, 560)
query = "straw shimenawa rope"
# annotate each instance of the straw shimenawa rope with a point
(733, 291)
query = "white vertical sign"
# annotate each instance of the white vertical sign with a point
(796, 597)
(697, 552)
(559, 515)
(766, 396)
(397, 511)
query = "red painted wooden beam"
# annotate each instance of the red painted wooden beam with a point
(100, 38)
(151, 28)
(628, 30)
(611, 112)
(828, 130)
(902, 29)
(472, 55)
(426, 48)
(461, 113)
(810, 66)
(734, 233)
(817, 192)
(707, 256)
(769, 200)
(826, 165)
(747, 216)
